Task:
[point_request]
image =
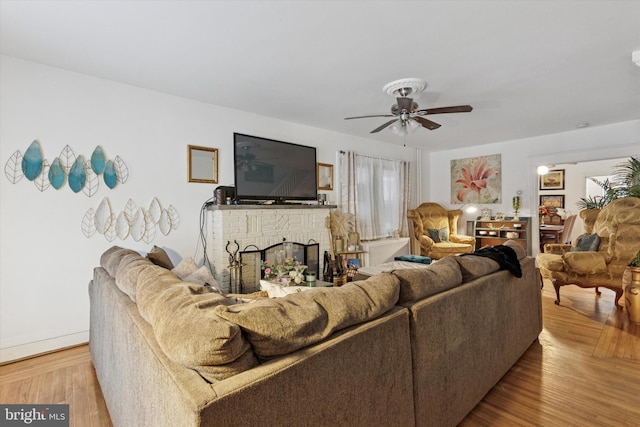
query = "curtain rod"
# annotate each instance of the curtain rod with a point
(374, 157)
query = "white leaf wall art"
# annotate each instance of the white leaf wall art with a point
(42, 181)
(88, 223)
(122, 226)
(66, 168)
(13, 167)
(149, 228)
(121, 169)
(137, 226)
(67, 158)
(103, 216)
(110, 233)
(133, 221)
(93, 183)
(164, 224)
(155, 209)
(130, 210)
(175, 218)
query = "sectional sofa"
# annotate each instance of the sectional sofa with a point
(402, 348)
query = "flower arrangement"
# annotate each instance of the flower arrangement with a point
(291, 268)
(543, 210)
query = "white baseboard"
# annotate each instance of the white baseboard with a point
(17, 352)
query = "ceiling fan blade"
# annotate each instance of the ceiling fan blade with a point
(404, 103)
(444, 110)
(373, 115)
(427, 123)
(379, 128)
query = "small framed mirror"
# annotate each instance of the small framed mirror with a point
(324, 173)
(202, 164)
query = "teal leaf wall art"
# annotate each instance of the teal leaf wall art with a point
(57, 176)
(32, 161)
(67, 167)
(77, 175)
(98, 160)
(133, 221)
(110, 176)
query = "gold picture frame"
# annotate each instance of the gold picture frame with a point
(202, 164)
(552, 180)
(324, 175)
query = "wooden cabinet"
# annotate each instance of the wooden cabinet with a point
(495, 232)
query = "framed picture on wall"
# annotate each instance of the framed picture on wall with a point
(552, 201)
(552, 180)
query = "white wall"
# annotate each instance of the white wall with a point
(520, 159)
(45, 260)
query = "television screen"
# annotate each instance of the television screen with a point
(266, 169)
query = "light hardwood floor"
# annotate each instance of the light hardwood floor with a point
(584, 371)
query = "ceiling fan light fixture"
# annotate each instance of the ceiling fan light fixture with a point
(413, 125)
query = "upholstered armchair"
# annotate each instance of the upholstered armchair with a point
(615, 242)
(433, 232)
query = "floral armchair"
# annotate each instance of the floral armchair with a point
(433, 232)
(617, 233)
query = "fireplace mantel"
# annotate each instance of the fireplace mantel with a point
(261, 226)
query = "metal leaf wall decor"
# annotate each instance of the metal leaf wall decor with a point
(80, 174)
(133, 221)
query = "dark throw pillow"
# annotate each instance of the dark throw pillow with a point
(434, 234)
(586, 243)
(439, 235)
(158, 256)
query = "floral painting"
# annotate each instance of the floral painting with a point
(476, 180)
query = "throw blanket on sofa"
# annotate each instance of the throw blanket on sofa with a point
(503, 255)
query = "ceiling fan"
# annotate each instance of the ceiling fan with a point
(406, 115)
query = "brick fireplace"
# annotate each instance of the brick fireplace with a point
(260, 226)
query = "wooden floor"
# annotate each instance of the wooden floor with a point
(584, 371)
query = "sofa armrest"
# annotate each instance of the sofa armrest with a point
(461, 238)
(426, 242)
(556, 248)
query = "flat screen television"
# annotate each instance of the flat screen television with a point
(270, 170)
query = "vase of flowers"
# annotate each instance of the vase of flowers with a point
(542, 211)
(286, 271)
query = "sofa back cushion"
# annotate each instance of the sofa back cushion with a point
(278, 326)
(473, 267)
(190, 332)
(420, 283)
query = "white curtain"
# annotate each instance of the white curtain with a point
(376, 192)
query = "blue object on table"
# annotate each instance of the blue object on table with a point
(414, 258)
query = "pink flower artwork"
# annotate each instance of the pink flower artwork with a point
(476, 180)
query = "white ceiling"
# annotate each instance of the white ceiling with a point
(527, 67)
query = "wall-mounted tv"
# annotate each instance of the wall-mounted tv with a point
(266, 169)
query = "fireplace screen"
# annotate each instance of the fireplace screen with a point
(251, 261)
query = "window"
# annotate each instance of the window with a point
(375, 190)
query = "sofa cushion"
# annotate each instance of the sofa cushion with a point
(282, 325)
(473, 267)
(519, 250)
(185, 267)
(420, 283)
(111, 258)
(190, 332)
(130, 268)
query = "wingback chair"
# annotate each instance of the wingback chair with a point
(618, 229)
(433, 232)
